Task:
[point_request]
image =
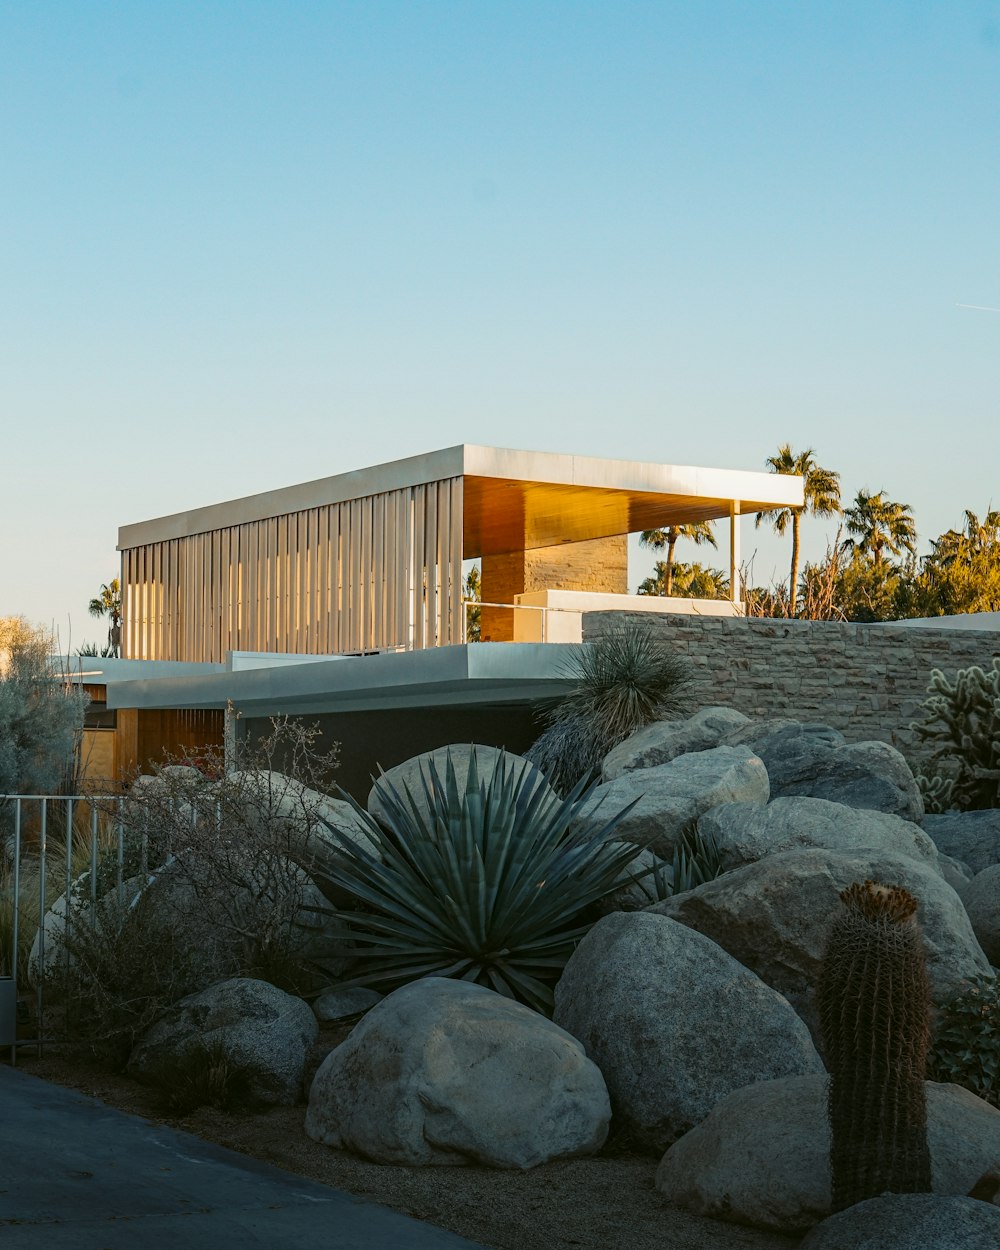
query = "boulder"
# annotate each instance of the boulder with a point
(746, 832)
(302, 813)
(762, 1156)
(909, 1222)
(445, 1071)
(264, 1032)
(774, 916)
(971, 837)
(670, 795)
(646, 880)
(777, 738)
(674, 1023)
(227, 907)
(53, 943)
(666, 739)
(343, 1004)
(411, 774)
(954, 871)
(981, 897)
(815, 761)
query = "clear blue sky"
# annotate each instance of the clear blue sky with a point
(247, 244)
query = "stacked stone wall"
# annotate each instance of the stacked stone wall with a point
(866, 680)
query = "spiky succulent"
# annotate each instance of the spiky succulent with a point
(484, 881)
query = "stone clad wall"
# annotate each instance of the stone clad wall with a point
(599, 564)
(866, 680)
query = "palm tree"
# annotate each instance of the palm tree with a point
(698, 531)
(879, 524)
(976, 538)
(690, 581)
(822, 498)
(109, 603)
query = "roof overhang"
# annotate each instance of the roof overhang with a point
(515, 500)
(457, 676)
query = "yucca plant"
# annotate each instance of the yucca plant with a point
(484, 881)
(623, 681)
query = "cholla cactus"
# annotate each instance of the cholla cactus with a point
(962, 723)
(874, 1006)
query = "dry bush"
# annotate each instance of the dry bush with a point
(205, 882)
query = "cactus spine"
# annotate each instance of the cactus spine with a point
(874, 1007)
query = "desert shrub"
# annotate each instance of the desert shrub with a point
(966, 1045)
(203, 1075)
(482, 881)
(961, 725)
(41, 715)
(625, 680)
(206, 883)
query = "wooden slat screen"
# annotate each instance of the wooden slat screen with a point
(384, 571)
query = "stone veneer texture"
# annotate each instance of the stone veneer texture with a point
(866, 680)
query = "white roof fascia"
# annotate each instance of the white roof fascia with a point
(473, 460)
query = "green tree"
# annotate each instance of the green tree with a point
(962, 571)
(109, 603)
(666, 540)
(822, 498)
(688, 581)
(879, 525)
(41, 715)
(473, 593)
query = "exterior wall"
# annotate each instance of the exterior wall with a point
(599, 565)
(145, 736)
(382, 739)
(99, 758)
(380, 571)
(866, 680)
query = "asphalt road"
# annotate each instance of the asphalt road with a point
(77, 1175)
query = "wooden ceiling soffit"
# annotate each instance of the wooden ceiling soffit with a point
(504, 515)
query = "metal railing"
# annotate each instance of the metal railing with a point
(48, 841)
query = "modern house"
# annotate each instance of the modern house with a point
(343, 597)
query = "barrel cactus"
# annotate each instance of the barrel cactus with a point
(961, 724)
(874, 1006)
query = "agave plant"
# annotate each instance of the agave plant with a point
(623, 681)
(485, 881)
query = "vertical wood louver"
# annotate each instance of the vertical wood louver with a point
(381, 571)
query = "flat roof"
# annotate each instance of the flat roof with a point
(460, 675)
(513, 499)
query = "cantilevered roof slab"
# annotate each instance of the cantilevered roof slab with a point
(462, 676)
(514, 500)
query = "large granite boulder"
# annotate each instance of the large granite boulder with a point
(814, 761)
(668, 796)
(302, 813)
(746, 832)
(779, 738)
(412, 775)
(774, 916)
(762, 1156)
(909, 1222)
(265, 1033)
(444, 1071)
(981, 897)
(971, 837)
(666, 739)
(674, 1023)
